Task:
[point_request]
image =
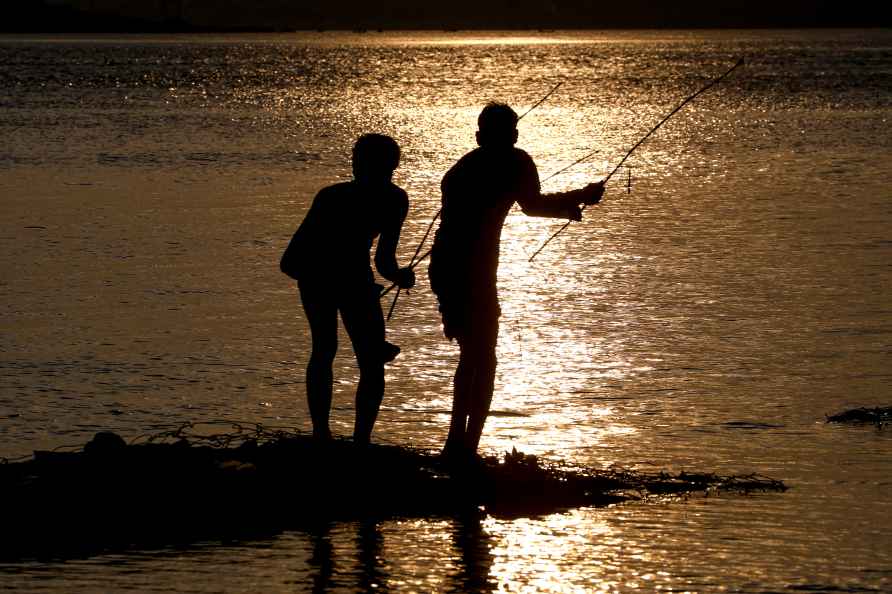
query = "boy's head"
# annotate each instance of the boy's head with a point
(375, 157)
(497, 126)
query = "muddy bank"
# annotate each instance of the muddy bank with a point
(183, 485)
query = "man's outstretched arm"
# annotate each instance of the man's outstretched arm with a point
(563, 205)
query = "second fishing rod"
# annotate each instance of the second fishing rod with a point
(417, 260)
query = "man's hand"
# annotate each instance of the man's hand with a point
(405, 278)
(593, 193)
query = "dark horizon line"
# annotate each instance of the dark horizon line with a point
(151, 28)
(27, 17)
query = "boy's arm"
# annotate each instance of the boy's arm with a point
(385, 254)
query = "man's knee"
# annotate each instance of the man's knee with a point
(479, 354)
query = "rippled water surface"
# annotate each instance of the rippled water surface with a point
(732, 289)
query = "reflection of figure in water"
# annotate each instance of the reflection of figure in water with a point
(322, 559)
(465, 567)
(478, 192)
(372, 565)
(331, 572)
(474, 546)
(329, 257)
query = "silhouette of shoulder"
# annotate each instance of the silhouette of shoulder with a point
(481, 155)
(335, 192)
(494, 160)
(389, 192)
(348, 199)
(500, 171)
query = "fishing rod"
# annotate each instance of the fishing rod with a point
(412, 262)
(708, 86)
(541, 101)
(423, 257)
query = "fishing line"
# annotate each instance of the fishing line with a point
(711, 84)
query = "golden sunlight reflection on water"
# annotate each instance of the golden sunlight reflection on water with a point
(492, 39)
(530, 555)
(705, 321)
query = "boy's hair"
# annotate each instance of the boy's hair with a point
(376, 152)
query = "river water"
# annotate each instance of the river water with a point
(731, 291)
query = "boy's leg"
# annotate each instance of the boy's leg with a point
(364, 322)
(323, 318)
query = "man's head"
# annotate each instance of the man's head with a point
(497, 126)
(375, 157)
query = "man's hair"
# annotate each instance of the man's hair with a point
(497, 125)
(498, 118)
(376, 152)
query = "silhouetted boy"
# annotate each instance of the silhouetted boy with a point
(329, 258)
(478, 192)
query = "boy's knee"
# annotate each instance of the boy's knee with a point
(371, 370)
(323, 354)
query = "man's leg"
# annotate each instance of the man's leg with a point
(462, 385)
(364, 323)
(323, 318)
(483, 356)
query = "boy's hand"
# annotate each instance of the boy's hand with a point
(405, 278)
(593, 193)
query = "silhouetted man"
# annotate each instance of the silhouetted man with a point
(329, 258)
(478, 192)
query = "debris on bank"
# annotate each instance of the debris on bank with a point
(879, 416)
(185, 484)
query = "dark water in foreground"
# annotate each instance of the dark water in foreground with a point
(708, 320)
